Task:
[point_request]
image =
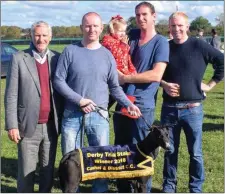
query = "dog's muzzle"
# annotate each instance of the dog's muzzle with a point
(167, 146)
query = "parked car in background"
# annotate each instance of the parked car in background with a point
(6, 56)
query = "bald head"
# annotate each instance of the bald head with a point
(91, 14)
(91, 27)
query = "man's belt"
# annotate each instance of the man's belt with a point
(185, 106)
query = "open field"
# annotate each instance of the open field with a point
(213, 147)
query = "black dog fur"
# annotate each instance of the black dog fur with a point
(70, 166)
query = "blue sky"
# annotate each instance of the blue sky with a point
(68, 13)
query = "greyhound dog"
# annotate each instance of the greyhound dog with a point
(70, 172)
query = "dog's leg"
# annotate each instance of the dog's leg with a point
(135, 185)
(70, 173)
(140, 186)
(72, 177)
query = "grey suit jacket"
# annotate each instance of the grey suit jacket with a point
(22, 94)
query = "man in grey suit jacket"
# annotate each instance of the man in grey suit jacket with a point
(33, 109)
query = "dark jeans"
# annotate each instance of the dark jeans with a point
(41, 147)
(131, 131)
(191, 121)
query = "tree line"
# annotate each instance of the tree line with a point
(15, 32)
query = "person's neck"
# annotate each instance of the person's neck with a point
(91, 44)
(180, 41)
(147, 35)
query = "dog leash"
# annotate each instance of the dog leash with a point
(122, 113)
(82, 132)
(130, 116)
(98, 109)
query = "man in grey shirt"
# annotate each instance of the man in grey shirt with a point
(215, 41)
(85, 74)
(200, 34)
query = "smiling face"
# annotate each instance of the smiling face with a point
(41, 37)
(91, 27)
(200, 33)
(179, 27)
(120, 31)
(144, 17)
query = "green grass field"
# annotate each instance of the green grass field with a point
(213, 147)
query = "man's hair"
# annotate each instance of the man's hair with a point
(214, 31)
(40, 23)
(90, 13)
(179, 13)
(115, 23)
(146, 4)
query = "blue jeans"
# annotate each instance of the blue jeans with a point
(191, 121)
(129, 131)
(97, 131)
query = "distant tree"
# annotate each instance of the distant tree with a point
(131, 23)
(220, 19)
(220, 24)
(78, 32)
(13, 32)
(220, 30)
(71, 32)
(66, 32)
(59, 31)
(25, 33)
(25, 30)
(200, 22)
(163, 22)
(3, 30)
(162, 27)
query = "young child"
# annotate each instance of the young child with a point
(116, 41)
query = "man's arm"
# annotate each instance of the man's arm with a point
(117, 92)
(209, 86)
(172, 89)
(161, 58)
(217, 43)
(60, 77)
(154, 75)
(11, 95)
(113, 84)
(214, 56)
(11, 99)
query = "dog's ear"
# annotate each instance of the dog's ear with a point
(167, 126)
(156, 128)
(152, 128)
